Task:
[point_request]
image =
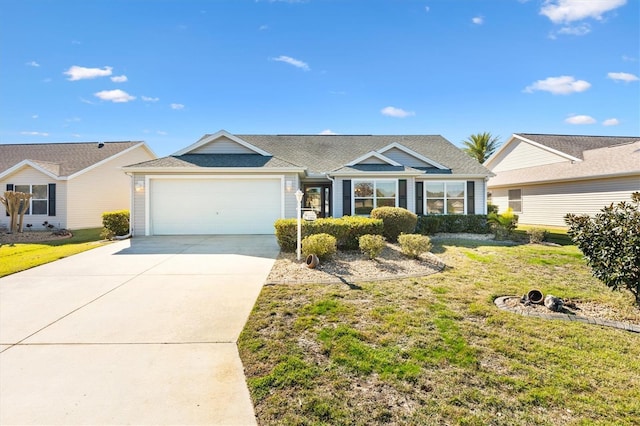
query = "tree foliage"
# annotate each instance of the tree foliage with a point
(610, 242)
(481, 145)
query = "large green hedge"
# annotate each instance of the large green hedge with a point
(453, 223)
(346, 230)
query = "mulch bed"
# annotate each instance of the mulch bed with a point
(31, 237)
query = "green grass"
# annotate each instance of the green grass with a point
(435, 350)
(19, 257)
(555, 234)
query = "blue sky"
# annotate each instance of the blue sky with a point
(167, 72)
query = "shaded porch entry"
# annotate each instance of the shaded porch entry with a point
(317, 197)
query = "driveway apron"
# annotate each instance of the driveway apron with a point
(141, 331)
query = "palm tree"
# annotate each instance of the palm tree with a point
(481, 145)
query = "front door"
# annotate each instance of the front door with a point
(317, 197)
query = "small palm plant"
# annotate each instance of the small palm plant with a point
(481, 145)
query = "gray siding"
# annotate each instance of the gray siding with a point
(405, 159)
(222, 145)
(547, 204)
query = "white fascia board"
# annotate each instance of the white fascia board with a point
(436, 176)
(218, 134)
(212, 170)
(357, 175)
(30, 163)
(567, 179)
(413, 154)
(376, 155)
(106, 160)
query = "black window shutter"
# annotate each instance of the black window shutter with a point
(9, 188)
(402, 189)
(52, 199)
(346, 197)
(471, 197)
(419, 198)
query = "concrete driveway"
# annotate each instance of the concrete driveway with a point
(141, 331)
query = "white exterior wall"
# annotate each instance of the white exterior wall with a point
(101, 189)
(520, 155)
(480, 196)
(547, 204)
(30, 176)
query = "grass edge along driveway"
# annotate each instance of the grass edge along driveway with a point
(435, 350)
(21, 256)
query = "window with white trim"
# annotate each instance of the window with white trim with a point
(445, 197)
(515, 200)
(371, 193)
(39, 202)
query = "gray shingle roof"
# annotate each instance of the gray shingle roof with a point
(321, 154)
(575, 145)
(61, 159)
(324, 153)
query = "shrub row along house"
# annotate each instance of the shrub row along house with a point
(241, 184)
(544, 177)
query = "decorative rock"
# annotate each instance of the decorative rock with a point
(553, 303)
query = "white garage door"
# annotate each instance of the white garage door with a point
(214, 206)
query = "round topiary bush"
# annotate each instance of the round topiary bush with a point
(371, 245)
(396, 221)
(322, 245)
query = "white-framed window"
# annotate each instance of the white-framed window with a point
(448, 197)
(515, 200)
(39, 202)
(371, 193)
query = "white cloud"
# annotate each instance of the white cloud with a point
(263, 27)
(81, 73)
(427, 9)
(577, 30)
(35, 133)
(622, 76)
(116, 96)
(149, 99)
(76, 135)
(86, 101)
(73, 120)
(327, 132)
(162, 133)
(292, 61)
(478, 20)
(177, 106)
(627, 58)
(33, 64)
(34, 116)
(580, 119)
(119, 78)
(565, 11)
(611, 122)
(562, 85)
(396, 112)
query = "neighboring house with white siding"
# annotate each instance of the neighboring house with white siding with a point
(544, 177)
(241, 184)
(72, 183)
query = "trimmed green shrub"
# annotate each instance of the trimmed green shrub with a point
(372, 245)
(322, 245)
(116, 223)
(396, 221)
(413, 245)
(610, 242)
(346, 230)
(452, 223)
(537, 235)
(357, 227)
(503, 224)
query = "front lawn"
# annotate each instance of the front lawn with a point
(20, 256)
(435, 350)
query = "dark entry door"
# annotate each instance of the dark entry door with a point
(317, 197)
